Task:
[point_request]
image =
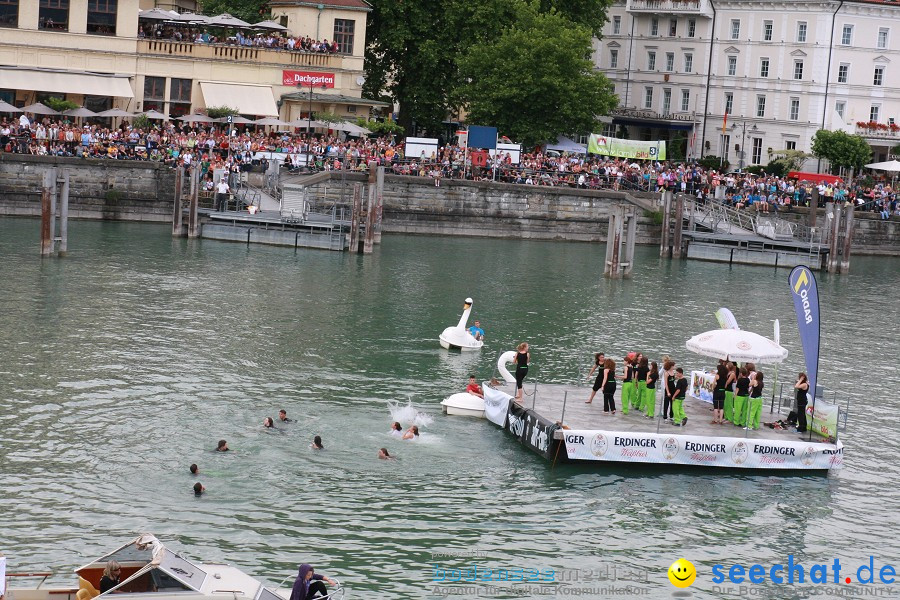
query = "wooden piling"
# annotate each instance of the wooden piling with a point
(355, 216)
(666, 224)
(193, 216)
(64, 214)
(47, 216)
(379, 205)
(848, 238)
(630, 237)
(679, 226)
(813, 207)
(834, 242)
(178, 210)
(54, 198)
(614, 242)
(371, 201)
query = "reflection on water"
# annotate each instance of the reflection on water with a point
(127, 361)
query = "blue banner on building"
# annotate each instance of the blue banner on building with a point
(806, 303)
(482, 137)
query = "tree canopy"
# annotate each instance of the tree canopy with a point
(430, 56)
(841, 149)
(252, 11)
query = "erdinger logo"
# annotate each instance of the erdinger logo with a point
(742, 345)
(808, 456)
(739, 453)
(669, 448)
(800, 286)
(599, 445)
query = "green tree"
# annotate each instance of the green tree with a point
(536, 80)
(788, 160)
(59, 105)
(217, 112)
(841, 149)
(252, 11)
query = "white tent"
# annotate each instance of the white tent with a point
(892, 166)
(737, 345)
(564, 144)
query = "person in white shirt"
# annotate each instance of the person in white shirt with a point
(24, 122)
(222, 190)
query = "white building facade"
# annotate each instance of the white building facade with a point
(780, 70)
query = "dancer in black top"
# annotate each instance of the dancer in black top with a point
(719, 395)
(650, 389)
(523, 357)
(609, 386)
(802, 387)
(668, 389)
(599, 359)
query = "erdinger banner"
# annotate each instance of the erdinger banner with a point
(701, 450)
(307, 78)
(610, 146)
(496, 403)
(534, 432)
(806, 304)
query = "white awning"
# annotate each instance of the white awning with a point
(65, 82)
(247, 99)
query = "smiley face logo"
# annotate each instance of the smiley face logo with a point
(682, 573)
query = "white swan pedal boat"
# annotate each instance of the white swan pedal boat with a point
(457, 337)
(150, 571)
(465, 404)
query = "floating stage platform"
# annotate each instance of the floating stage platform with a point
(554, 422)
(323, 231)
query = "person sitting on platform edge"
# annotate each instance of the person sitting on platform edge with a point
(476, 331)
(473, 387)
(304, 589)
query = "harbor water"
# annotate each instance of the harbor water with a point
(126, 361)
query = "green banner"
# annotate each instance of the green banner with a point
(610, 146)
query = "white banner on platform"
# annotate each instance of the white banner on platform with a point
(825, 418)
(701, 450)
(496, 404)
(2, 575)
(701, 385)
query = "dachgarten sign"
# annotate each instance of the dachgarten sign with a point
(307, 78)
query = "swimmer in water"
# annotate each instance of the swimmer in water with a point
(222, 446)
(199, 489)
(194, 469)
(317, 443)
(412, 433)
(282, 416)
(268, 423)
(383, 454)
(396, 429)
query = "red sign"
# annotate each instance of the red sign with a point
(307, 78)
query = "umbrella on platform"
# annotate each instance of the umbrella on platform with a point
(190, 18)
(155, 115)
(79, 112)
(155, 14)
(235, 120)
(115, 112)
(39, 109)
(271, 25)
(737, 345)
(891, 165)
(304, 123)
(6, 107)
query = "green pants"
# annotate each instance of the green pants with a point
(641, 389)
(627, 396)
(740, 406)
(729, 406)
(678, 410)
(755, 413)
(649, 401)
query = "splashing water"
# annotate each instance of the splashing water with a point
(408, 414)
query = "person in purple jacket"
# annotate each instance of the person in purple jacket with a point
(308, 584)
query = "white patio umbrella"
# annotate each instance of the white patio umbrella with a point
(197, 119)
(155, 14)
(226, 20)
(305, 123)
(737, 345)
(892, 166)
(270, 25)
(270, 121)
(79, 112)
(155, 115)
(236, 120)
(115, 112)
(39, 109)
(6, 107)
(190, 18)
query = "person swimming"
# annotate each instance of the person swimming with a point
(396, 429)
(194, 469)
(412, 433)
(282, 416)
(317, 443)
(199, 489)
(268, 423)
(222, 446)
(383, 454)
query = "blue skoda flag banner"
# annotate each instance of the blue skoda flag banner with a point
(806, 304)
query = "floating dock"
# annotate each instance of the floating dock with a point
(268, 227)
(554, 422)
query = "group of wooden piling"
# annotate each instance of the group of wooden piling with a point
(371, 214)
(620, 242)
(55, 195)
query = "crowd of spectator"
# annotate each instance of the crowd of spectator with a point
(259, 40)
(213, 148)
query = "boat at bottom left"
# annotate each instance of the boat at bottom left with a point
(149, 570)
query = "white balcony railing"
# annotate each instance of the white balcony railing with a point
(666, 6)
